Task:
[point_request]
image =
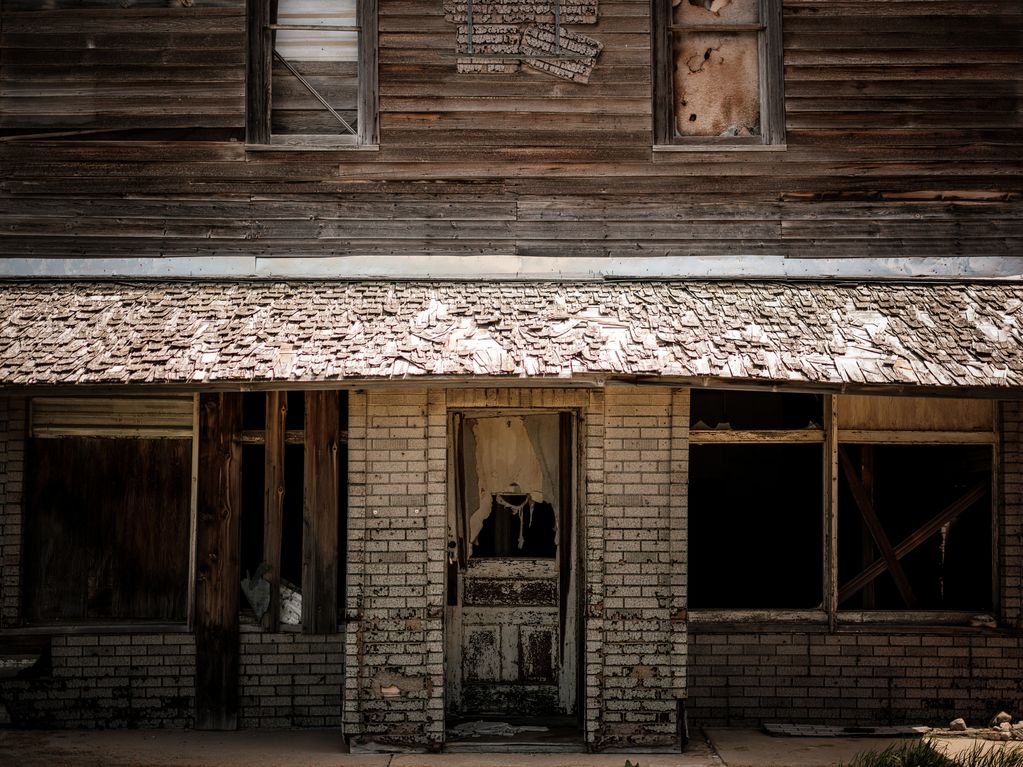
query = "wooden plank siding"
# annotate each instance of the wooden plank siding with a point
(903, 140)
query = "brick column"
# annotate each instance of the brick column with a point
(394, 677)
(593, 570)
(644, 634)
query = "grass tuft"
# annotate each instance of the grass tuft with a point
(922, 754)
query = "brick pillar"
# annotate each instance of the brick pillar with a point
(593, 572)
(643, 647)
(12, 470)
(394, 644)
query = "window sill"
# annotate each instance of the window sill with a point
(755, 620)
(312, 147)
(710, 147)
(72, 629)
(918, 619)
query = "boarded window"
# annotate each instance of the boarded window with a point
(755, 526)
(932, 504)
(718, 74)
(107, 529)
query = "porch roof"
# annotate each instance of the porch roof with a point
(934, 335)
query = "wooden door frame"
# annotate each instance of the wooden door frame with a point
(573, 660)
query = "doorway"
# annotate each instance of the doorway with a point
(512, 622)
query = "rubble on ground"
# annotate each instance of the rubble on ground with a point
(1001, 727)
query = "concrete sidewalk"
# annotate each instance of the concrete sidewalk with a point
(261, 748)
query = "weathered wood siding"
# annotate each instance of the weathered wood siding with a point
(107, 65)
(903, 128)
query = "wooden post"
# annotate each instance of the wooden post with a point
(218, 575)
(368, 121)
(320, 512)
(273, 501)
(662, 60)
(259, 54)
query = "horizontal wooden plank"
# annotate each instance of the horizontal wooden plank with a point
(147, 417)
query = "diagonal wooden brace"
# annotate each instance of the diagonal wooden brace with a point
(877, 531)
(914, 540)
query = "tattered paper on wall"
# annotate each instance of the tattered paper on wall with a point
(499, 37)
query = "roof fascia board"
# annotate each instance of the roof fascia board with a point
(512, 267)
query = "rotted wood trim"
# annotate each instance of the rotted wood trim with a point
(218, 567)
(724, 436)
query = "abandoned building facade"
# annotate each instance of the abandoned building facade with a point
(384, 366)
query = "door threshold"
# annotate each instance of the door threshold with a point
(513, 735)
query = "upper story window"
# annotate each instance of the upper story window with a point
(718, 78)
(312, 73)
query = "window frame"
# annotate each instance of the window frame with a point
(771, 85)
(830, 617)
(124, 416)
(260, 27)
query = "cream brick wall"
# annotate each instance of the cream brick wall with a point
(631, 524)
(643, 638)
(394, 681)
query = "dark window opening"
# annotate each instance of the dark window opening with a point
(255, 560)
(724, 409)
(253, 411)
(107, 529)
(518, 527)
(933, 504)
(755, 526)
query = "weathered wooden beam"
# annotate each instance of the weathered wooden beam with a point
(915, 538)
(368, 121)
(866, 508)
(273, 501)
(320, 512)
(218, 562)
(258, 55)
(662, 61)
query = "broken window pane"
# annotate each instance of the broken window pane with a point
(724, 409)
(707, 12)
(716, 84)
(518, 527)
(933, 504)
(511, 485)
(755, 526)
(327, 60)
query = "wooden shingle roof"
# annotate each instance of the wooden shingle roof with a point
(941, 335)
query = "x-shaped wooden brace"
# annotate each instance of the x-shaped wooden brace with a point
(890, 555)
